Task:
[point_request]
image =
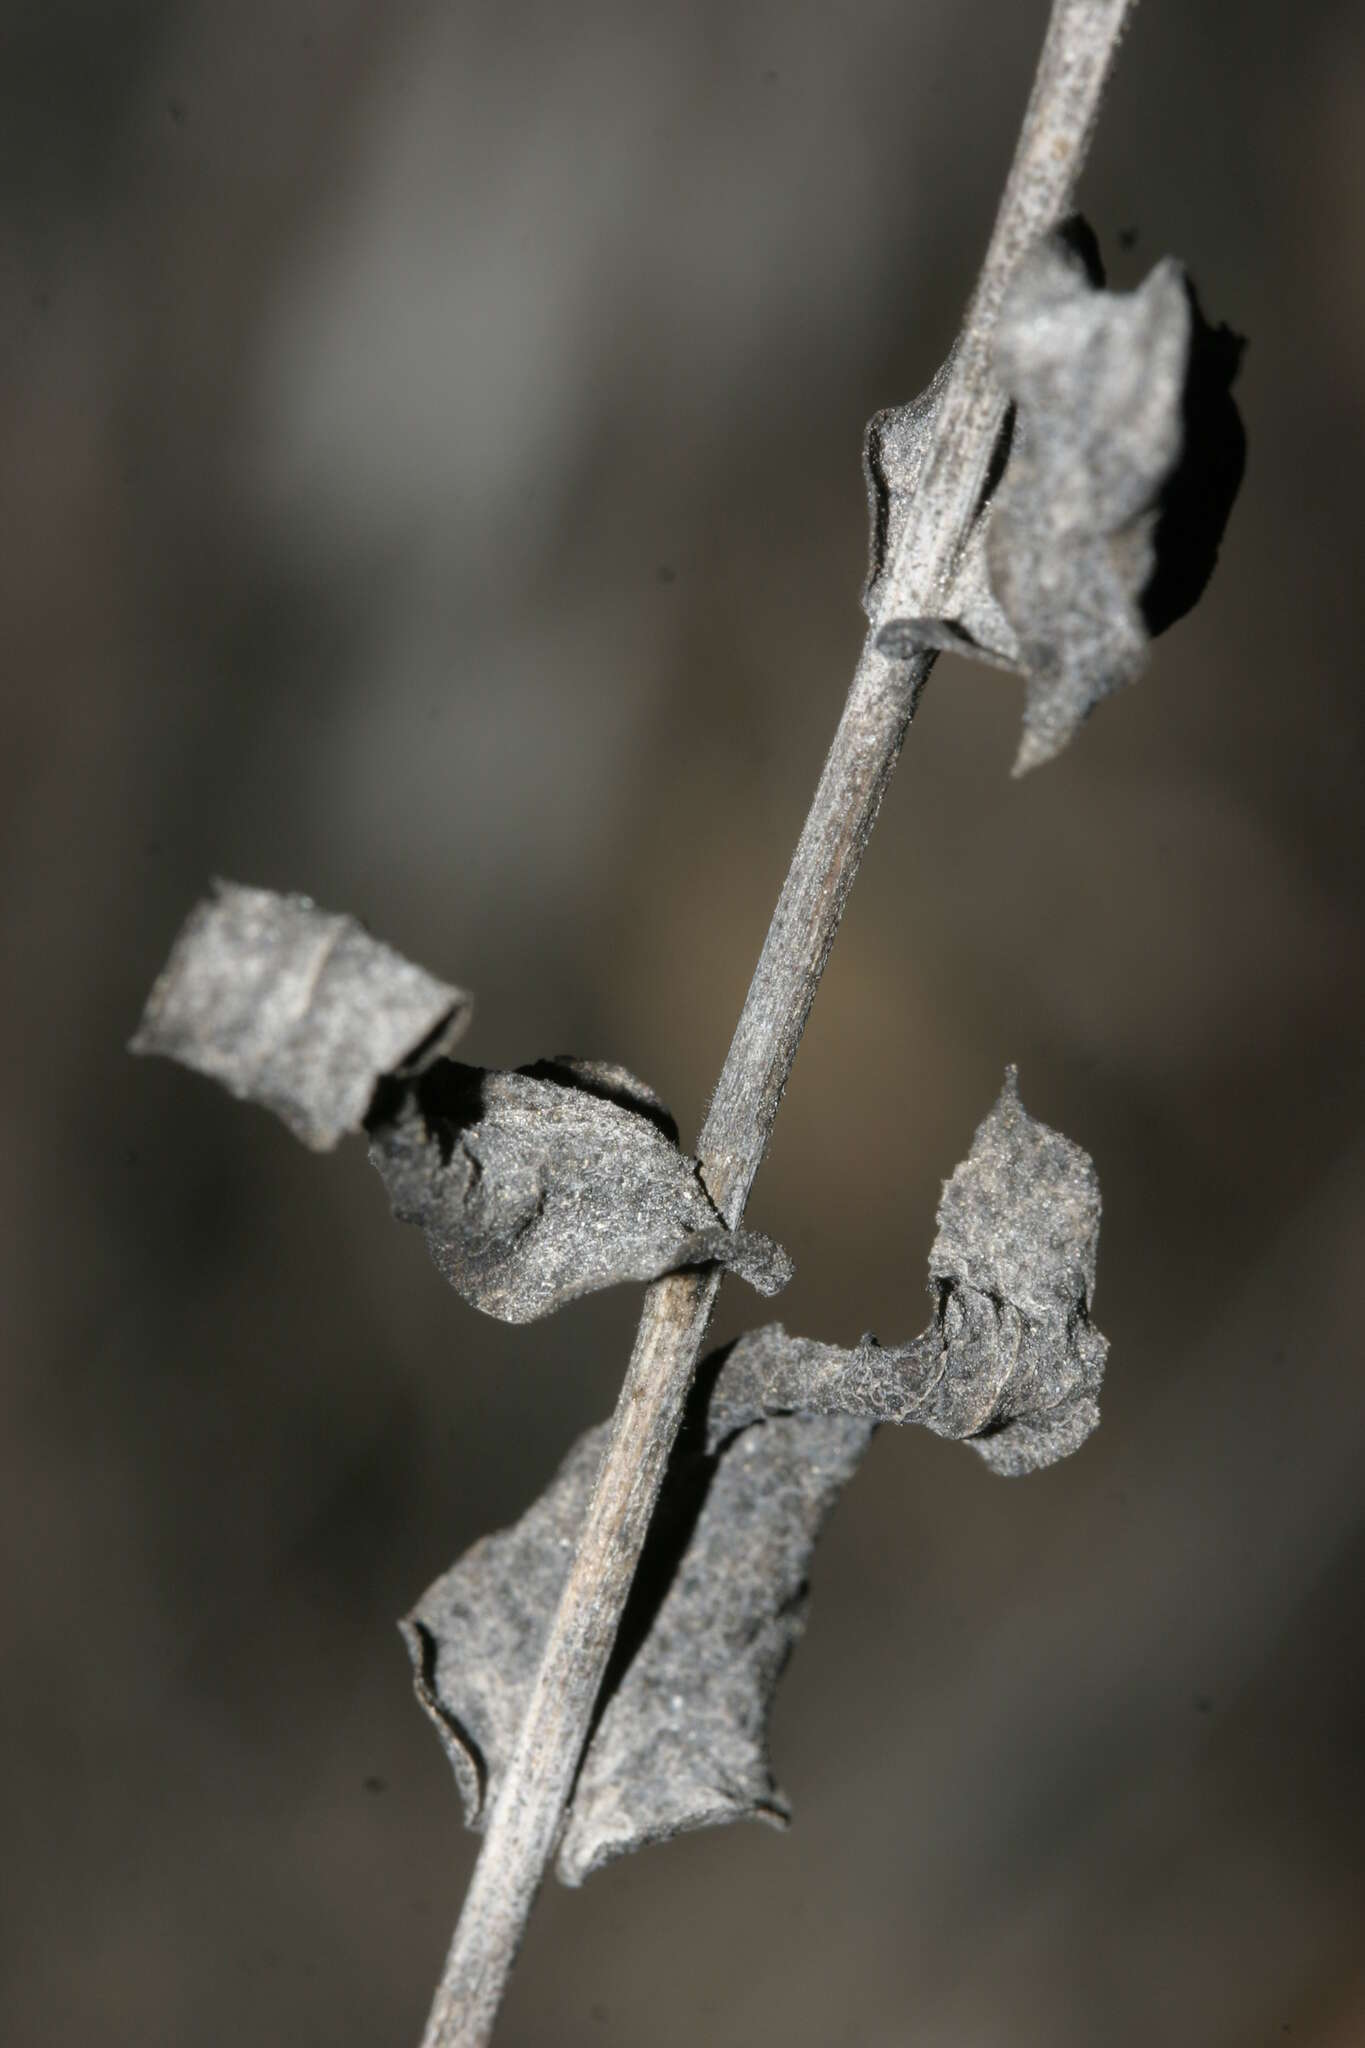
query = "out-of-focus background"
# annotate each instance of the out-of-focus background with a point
(431, 480)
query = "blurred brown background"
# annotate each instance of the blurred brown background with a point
(431, 481)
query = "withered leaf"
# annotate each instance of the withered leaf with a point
(1052, 579)
(1011, 1362)
(537, 1186)
(295, 1008)
(532, 1187)
(681, 1739)
(1098, 379)
(775, 1426)
(682, 1742)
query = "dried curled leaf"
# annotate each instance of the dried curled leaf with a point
(1014, 1263)
(537, 1186)
(1112, 397)
(1011, 1362)
(775, 1427)
(680, 1741)
(295, 1008)
(531, 1187)
(1098, 379)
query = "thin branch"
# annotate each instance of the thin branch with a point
(526, 1818)
(1078, 50)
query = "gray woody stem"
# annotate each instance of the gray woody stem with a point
(1079, 47)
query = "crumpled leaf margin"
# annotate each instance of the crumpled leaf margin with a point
(532, 1187)
(1052, 578)
(296, 1008)
(681, 1741)
(1012, 1363)
(538, 1186)
(776, 1426)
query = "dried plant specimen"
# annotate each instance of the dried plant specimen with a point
(601, 1673)
(531, 1187)
(776, 1427)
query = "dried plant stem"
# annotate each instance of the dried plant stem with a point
(526, 1819)
(1077, 55)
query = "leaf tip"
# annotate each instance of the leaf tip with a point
(295, 1008)
(1036, 749)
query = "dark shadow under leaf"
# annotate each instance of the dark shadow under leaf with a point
(1197, 498)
